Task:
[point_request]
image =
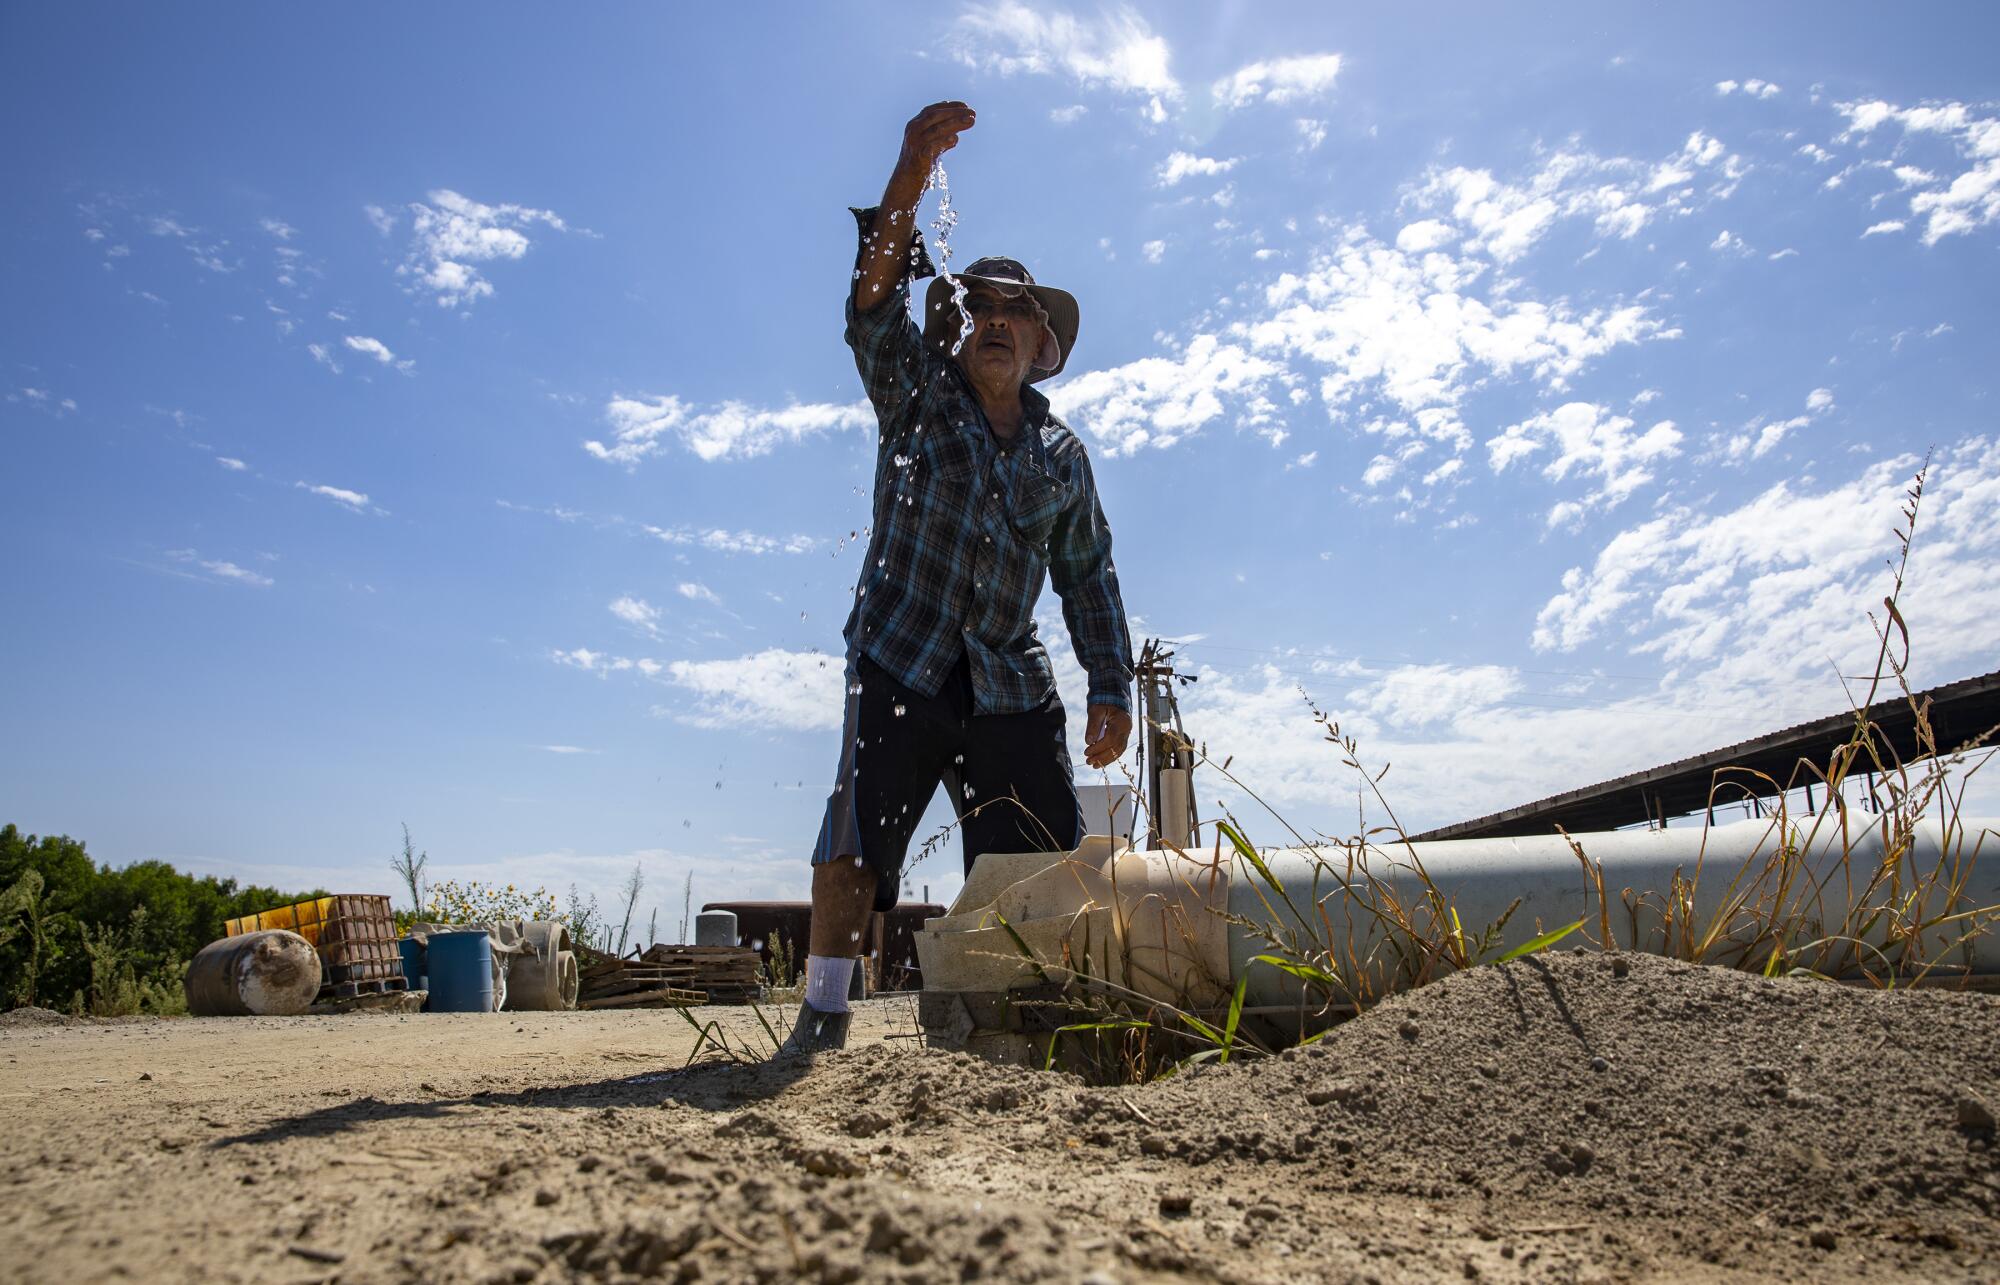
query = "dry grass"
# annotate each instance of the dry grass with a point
(1818, 896)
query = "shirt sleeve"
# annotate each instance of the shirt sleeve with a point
(888, 348)
(1080, 568)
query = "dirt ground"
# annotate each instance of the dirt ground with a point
(1568, 1118)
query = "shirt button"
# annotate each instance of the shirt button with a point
(989, 539)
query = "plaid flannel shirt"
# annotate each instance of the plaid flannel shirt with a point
(966, 525)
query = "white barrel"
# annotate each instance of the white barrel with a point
(273, 973)
(715, 928)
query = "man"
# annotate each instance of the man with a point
(979, 493)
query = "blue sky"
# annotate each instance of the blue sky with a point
(439, 414)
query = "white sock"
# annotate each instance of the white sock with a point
(827, 980)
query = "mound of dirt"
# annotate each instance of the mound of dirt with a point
(32, 1016)
(1621, 1085)
(1577, 1116)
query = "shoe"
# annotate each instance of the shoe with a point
(814, 1032)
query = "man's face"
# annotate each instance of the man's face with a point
(1007, 329)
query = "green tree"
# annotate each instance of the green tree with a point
(72, 928)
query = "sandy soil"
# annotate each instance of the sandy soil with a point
(1574, 1118)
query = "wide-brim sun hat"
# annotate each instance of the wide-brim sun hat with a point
(942, 320)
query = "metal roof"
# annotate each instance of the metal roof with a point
(1959, 712)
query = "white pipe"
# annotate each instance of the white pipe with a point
(1732, 866)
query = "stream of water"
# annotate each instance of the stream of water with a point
(941, 229)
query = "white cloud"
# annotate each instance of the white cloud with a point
(1619, 195)
(41, 399)
(1411, 334)
(638, 613)
(382, 221)
(355, 500)
(1157, 401)
(1775, 587)
(772, 689)
(1069, 115)
(592, 662)
(1760, 436)
(1786, 253)
(233, 465)
(1414, 695)
(324, 356)
(1752, 88)
(1116, 50)
(1153, 251)
(454, 232)
(1699, 153)
(1281, 80)
(371, 347)
(697, 592)
(641, 426)
(278, 229)
(1180, 165)
(564, 749)
(1584, 438)
(1884, 227)
(719, 540)
(1972, 198)
(228, 572)
(1425, 234)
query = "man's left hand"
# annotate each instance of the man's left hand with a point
(1106, 729)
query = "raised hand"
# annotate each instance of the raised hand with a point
(930, 134)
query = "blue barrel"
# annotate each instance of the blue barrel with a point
(460, 968)
(413, 961)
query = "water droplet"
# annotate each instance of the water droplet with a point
(899, 711)
(854, 936)
(969, 791)
(858, 863)
(959, 759)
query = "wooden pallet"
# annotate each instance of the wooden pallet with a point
(368, 986)
(719, 974)
(663, 997)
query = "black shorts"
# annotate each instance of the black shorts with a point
(1008, 775)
